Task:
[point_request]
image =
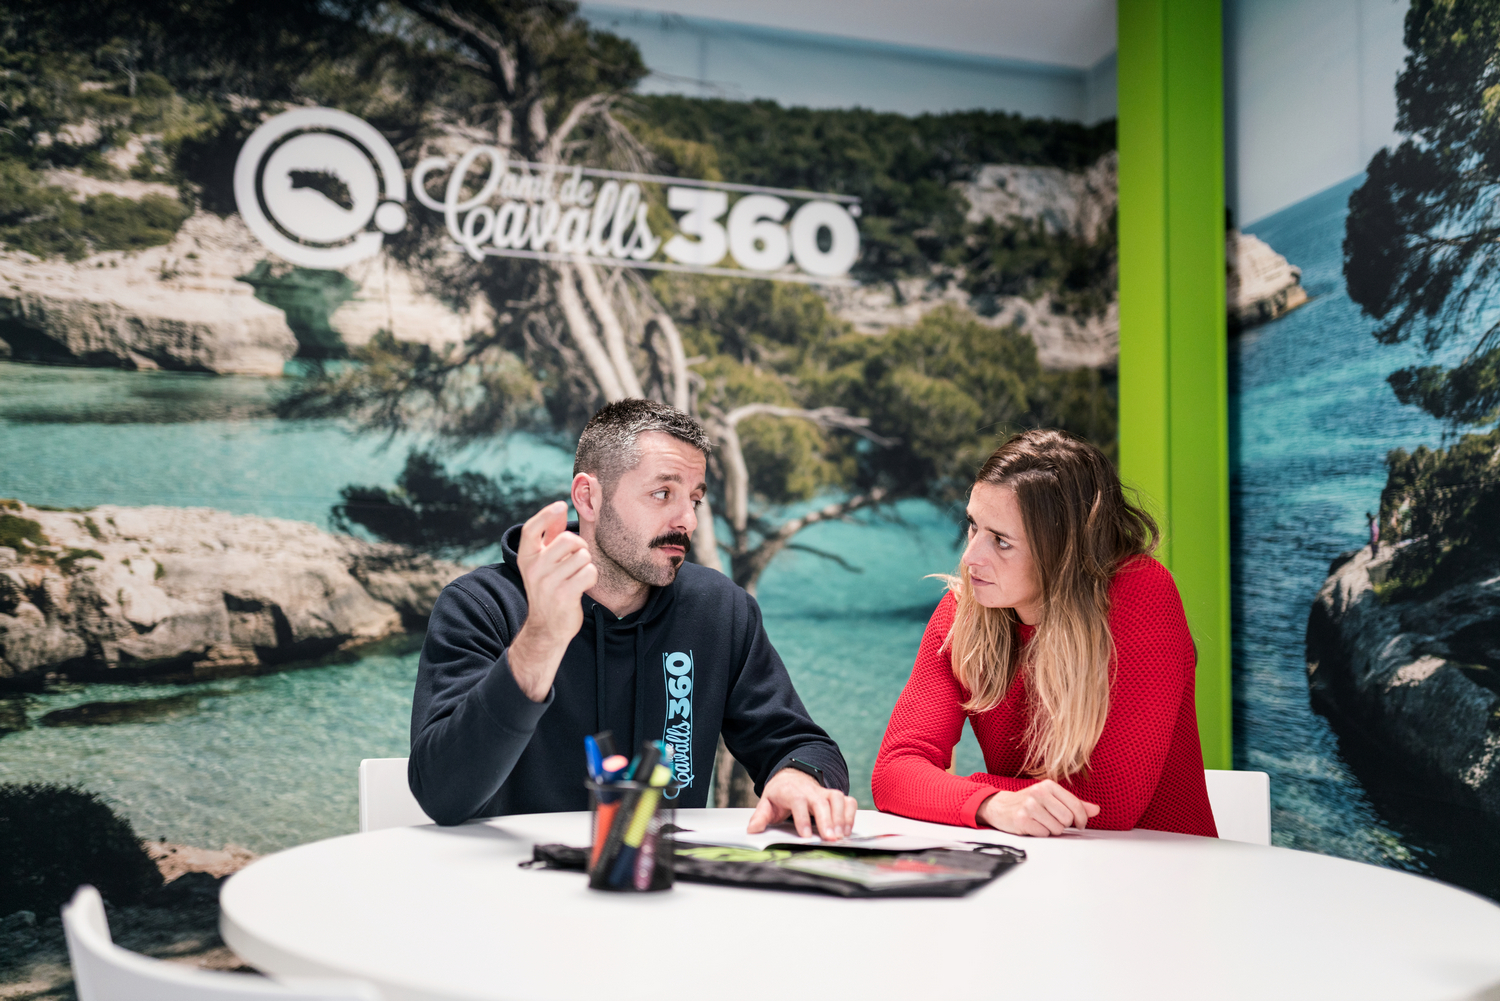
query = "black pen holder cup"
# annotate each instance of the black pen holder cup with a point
(631, 850)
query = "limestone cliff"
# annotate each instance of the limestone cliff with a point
(211, 300)
(1078, 203)
(1074, 203)
(177, 306)
(1261, 285)
(111, 588)
(1415, 679)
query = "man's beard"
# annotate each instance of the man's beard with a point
(624, 550)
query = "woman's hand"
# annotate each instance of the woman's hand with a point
(1037, 811)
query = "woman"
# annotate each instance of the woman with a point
(1064, 645)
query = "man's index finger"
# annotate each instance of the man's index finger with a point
(546, 522)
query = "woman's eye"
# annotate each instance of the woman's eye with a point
(1001, 543)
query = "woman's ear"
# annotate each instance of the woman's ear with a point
(587, 494)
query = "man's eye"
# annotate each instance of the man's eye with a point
(660, 495)
(696, 503)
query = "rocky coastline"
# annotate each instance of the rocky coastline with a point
(1261, 284)
(178, 923)
(1079, 204)
(1413, 679)
(89, 592)
(210, 300)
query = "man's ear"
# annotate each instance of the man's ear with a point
(588, 497)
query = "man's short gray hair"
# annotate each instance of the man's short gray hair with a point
(607, 448)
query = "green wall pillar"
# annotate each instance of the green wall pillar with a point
(1174, 437)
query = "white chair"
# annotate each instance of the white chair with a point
(1241, 802)
(102, 971)
(385, 798)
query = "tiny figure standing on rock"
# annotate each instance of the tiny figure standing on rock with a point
(1374, 533)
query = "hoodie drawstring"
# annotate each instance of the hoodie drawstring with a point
(641, 725)
(598, 668)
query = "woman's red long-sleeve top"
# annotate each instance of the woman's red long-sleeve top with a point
(1146, 770)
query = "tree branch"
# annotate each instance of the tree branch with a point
(749, 566)
(584, 336)
(614, 334)
(830, 512)
(705, 542)
(828, 417)
(825, 554)
(552, 152)
(736, 480)
(678, 358)
(500, 62)
(635, 154)
(536, 124)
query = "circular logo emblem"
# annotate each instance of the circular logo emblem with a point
(319, 187)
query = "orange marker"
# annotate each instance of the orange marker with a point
(609, 805)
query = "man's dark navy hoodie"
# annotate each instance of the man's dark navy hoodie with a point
(693, 662)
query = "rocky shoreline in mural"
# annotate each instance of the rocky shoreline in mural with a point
(176, 306)
(1414, 678)
(1076, 204)
(153, 588)
(1261, 285)
(209, 300)
(178, 923)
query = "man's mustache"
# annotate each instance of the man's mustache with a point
(672, 539)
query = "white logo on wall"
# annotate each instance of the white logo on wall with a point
(319, 188)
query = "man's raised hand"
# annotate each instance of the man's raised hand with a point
(556, 568)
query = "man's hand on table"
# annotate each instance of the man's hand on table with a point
(1039, 810)
(557, 569)
(796, 794)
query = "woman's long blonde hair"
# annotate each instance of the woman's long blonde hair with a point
(1080, 529)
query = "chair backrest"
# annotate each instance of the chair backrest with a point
(1241, 802)
(385, 798)
(102, 971)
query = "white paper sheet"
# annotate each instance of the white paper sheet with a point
(735, 837)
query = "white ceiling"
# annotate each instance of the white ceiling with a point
(1074, 33)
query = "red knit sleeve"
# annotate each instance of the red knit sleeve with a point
(910, 775)
(1153, 674)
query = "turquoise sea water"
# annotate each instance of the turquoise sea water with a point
(1312, 419)
(270, 761)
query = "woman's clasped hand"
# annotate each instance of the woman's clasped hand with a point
(1038, 810)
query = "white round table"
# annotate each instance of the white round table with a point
(445, 913)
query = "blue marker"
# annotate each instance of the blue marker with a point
(594, 759)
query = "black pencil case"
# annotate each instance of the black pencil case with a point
(961, 872)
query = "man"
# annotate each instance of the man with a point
(601, 625)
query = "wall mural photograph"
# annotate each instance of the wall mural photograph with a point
(300, 311)
(1363, 408)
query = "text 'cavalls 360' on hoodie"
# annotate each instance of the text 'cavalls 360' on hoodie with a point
(693, 662)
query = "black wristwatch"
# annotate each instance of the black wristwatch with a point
(813, 770)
